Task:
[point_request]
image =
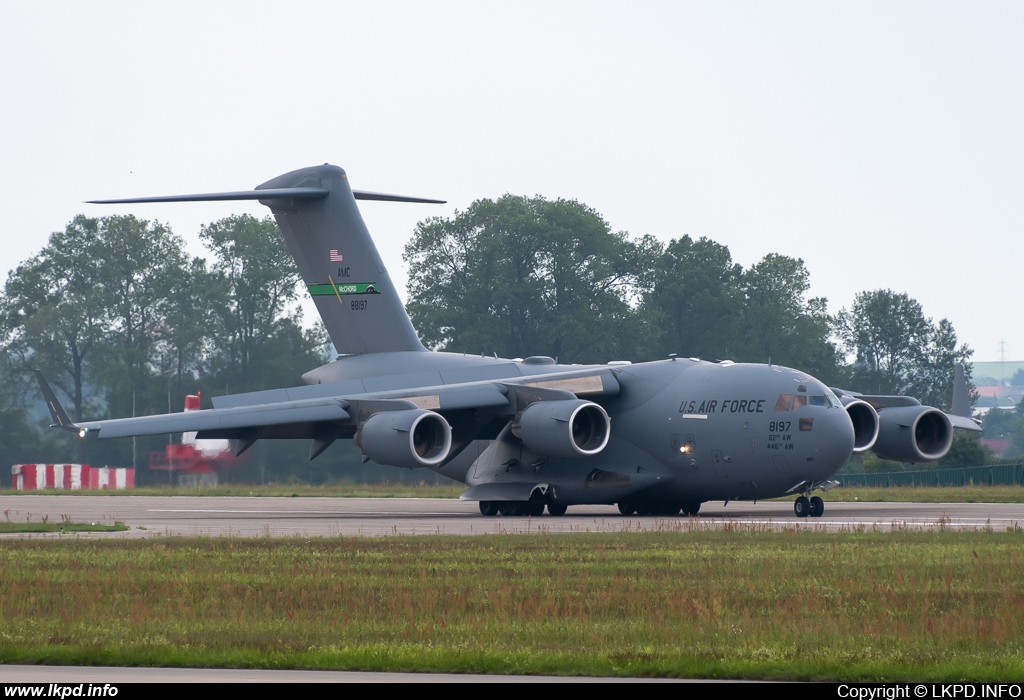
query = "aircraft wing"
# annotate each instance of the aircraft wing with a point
(964, 423)
(308, 413)
(880, 403)
(959, 416)
(293, 413)
(299, 414)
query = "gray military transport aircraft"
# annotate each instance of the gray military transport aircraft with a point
(655, 438)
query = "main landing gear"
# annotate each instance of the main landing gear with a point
(805, 506)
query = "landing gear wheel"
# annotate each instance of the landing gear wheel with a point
(534, 509)
(512, 508)
(691, 509)
(627, 508)
(802, 507)
(557, 509)
(488, 507)
(817, 507)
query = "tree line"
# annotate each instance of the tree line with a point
(520, 276)
(123, 321)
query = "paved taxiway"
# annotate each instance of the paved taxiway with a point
(150, 516)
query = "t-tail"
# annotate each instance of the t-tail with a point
(316, 211)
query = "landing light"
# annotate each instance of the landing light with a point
(82, 432)
(684, 449)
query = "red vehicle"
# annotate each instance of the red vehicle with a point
(197, 462)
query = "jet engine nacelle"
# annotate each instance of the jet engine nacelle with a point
(865, 423)
(411, 438)
(570, 428)
(913, 434)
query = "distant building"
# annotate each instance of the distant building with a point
(996, 445)
(998, 396)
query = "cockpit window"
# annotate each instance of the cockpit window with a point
(784, 403)
(791, 402)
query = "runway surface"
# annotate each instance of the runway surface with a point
(163, 516)
(98, 675)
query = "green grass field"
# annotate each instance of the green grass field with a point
(745, 603)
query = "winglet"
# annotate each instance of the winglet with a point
(960, 409)
(961, 405)
(60, 417)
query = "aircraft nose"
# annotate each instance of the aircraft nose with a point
(835, 441)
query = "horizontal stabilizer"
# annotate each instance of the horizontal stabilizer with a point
(381, 197)
(318, 216)
(307, 193)
(279, 193)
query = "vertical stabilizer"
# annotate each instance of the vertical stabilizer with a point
(340, 264)
(317, 214)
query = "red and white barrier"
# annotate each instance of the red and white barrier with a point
(31, 477)
(28, 477)
(111, 478)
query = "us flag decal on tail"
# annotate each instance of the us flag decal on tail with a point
(336, 256)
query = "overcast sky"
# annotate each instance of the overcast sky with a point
(881, 142)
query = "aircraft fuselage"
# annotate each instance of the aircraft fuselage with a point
(732, 431)
(681, 430)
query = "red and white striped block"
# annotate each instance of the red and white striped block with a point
(111, 478)
(31, 477)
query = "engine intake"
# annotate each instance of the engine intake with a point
(411, 438)
(913, 434)
(865, 423)
(570, 428)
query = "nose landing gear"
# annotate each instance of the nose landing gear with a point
(805, 506)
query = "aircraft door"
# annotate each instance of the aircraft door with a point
(687, 449)
(716, 459)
